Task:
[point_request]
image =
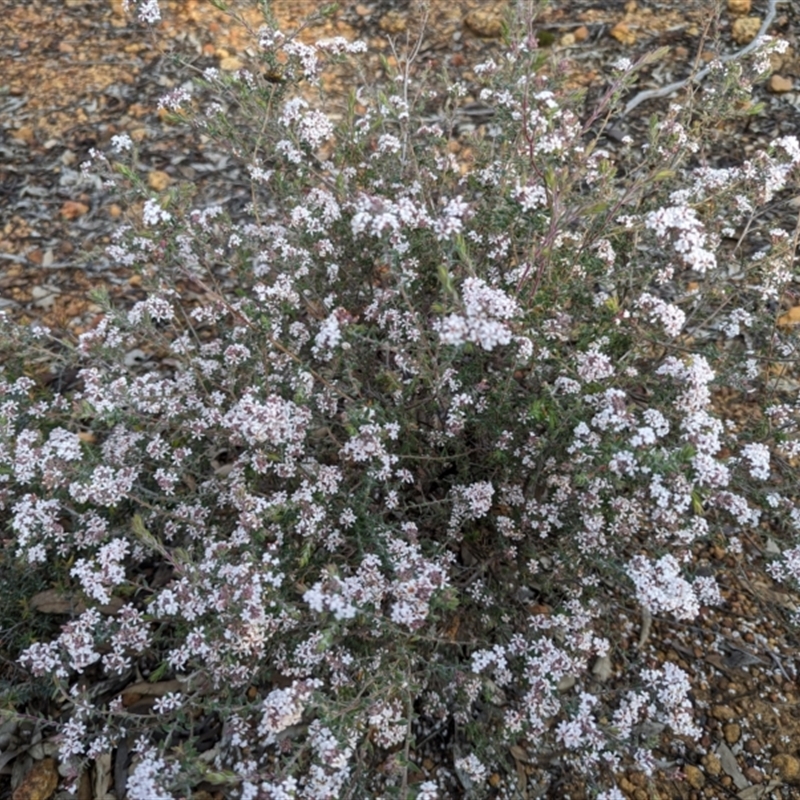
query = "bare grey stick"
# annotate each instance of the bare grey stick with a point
(674, 87)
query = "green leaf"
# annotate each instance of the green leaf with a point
(545, 38)
(305, 556)
(147, 538)
(159, 672)
(219, 778)
(446, 279)
(595, 208)
(462, 250)
(327, 640)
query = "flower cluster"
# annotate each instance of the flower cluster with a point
(484, 321)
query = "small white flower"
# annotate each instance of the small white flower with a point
(121, 143)
(152, 213)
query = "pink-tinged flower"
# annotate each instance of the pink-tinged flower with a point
(484, 322)
(671, 318)
(174, 100)
(274, 421)
(152, 213)
(593, 365)
(671, 687)
(687, 233)
(147, 779)
(757, 455)
(472, 768)
(171, 701)
(284, 707)
(660, 587)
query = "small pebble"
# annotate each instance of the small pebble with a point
(694, 776)
(722, 712)
(712, 764)
(778, 84)
(581, 34)
(787, 767)
(754, 775)
(745, 29)
(732, 732)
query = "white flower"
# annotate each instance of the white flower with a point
(169, 702)
(175, 99)
(146, 778)
(472, 767)
(758, 456)
(660, 587)
(149, 12)
(284, 707)
(594, 365)
(121, 143)
(670, 316)
(485, 307)
(152, 213)
(328, 338)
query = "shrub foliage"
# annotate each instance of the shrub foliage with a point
(411, 455)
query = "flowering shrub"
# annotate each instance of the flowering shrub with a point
(435, 437)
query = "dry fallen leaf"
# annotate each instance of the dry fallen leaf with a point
(39, 783)
(520, 754)
(85, 786)
(25, 134)
(157, 689)
(758, 792)
(51, 601)
(603, 669)
(102, 776)
(647, 624)
(731, 766)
